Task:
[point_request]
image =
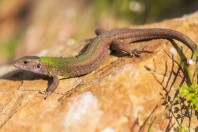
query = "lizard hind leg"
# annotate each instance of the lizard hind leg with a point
(130, 47)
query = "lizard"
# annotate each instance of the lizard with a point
(96, 52)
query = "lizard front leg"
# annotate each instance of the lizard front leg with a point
(52, 87)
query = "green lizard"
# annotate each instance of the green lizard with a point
(95, 53)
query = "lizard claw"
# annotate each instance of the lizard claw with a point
(135, 52)
(45, 94)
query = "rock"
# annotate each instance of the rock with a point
(123, 94)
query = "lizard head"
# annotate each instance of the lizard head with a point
(31, 63)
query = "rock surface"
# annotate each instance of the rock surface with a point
(123, 94)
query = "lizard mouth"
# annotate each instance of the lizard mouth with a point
(19, 63)
(16, 64)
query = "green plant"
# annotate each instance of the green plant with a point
(191, 94)
(184, 104)
(181, 128)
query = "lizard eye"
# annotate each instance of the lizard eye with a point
(38, 66)
(25, 62)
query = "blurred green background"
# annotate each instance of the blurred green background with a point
(28, 26)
